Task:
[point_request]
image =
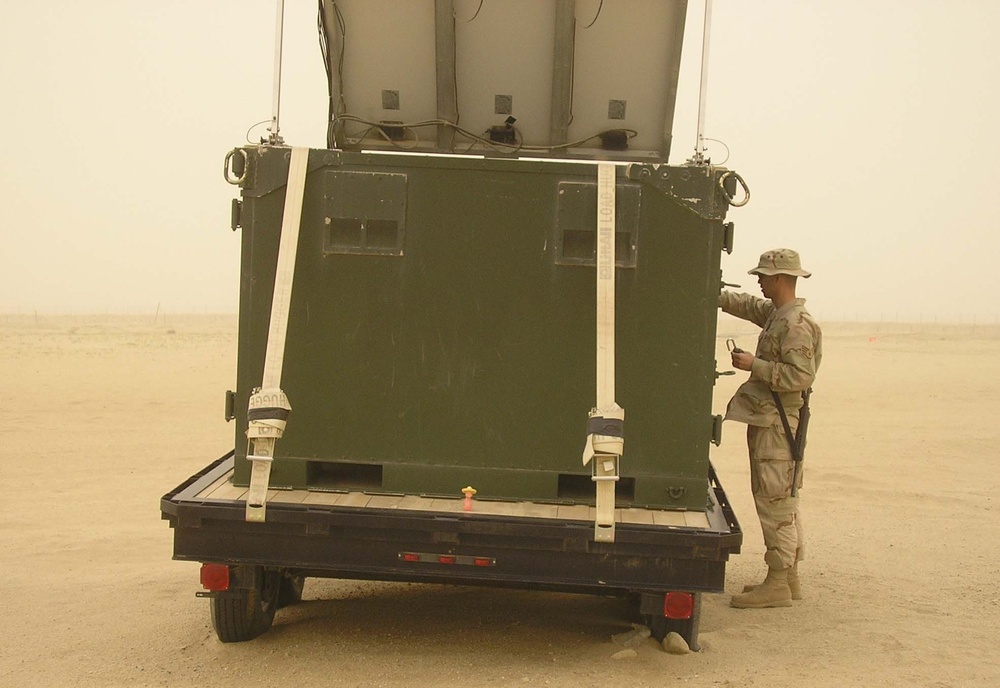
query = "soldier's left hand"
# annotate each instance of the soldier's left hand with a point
(742, 360)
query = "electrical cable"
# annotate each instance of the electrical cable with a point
(337, 105)
(337, 100)
(324, 49)
(454, 61)
(704, 138)
(467, 21)
(343, 48)
(475, 138)
(572, 80)
(599, 8)
(252, 126)
(395, 143)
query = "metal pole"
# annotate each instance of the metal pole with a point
(699, 147)
(446, 71)
(275, 137)
(562, 73)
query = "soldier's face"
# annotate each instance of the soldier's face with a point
(767, 283)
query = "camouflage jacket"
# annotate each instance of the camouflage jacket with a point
(789, 350)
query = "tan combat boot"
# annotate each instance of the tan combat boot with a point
(773, 592)
(794, 584)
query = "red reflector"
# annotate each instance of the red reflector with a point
(678, 605)
(410, 556)
(215, 577)
(482, 561)
(446, 559)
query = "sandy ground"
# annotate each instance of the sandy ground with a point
(102, 415)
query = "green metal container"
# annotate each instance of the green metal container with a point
(442, 324)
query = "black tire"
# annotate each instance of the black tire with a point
(290, 590)
(245, 613)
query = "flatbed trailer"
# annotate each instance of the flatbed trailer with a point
(665, 558)
(471, 303)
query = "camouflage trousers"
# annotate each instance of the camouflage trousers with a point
(771, 471)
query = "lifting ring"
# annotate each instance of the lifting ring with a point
(225, 167)
(729, 198)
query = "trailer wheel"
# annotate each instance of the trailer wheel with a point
(290, 590)
(245, 613)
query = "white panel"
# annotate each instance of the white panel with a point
(624, 56)
(389, 46)
(506, 50)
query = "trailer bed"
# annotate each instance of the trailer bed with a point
(224, 491)
(355, 534)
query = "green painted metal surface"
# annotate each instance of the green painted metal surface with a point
(442, 326)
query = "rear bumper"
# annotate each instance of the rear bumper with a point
(368, 543)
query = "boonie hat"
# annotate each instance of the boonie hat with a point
(783, 261)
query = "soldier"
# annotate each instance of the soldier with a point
(788, 355)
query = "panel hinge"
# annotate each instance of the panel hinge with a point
(717, 430)
(230, 405)
(237, 213)
(727, 237)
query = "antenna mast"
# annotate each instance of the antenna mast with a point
(275, 138)
(699, 146)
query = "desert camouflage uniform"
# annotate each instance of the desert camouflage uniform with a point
(788, 355)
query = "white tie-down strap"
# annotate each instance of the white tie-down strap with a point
(267, 414)
(605, 432)
(268, 410)
(605, 424)
(267, 417)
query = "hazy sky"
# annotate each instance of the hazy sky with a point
(866, 129)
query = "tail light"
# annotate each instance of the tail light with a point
(215, 577)
(678, 605)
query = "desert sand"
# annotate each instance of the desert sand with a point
(103, 415)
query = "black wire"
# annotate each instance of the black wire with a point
(343, 47)
(324, 43)
(336, 100)
(572, 79)
(572, 67)
(454, 62)
(466, 21)
(324, 48)
(599, 8)
(498, 146)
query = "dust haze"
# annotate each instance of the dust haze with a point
(866, 132)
